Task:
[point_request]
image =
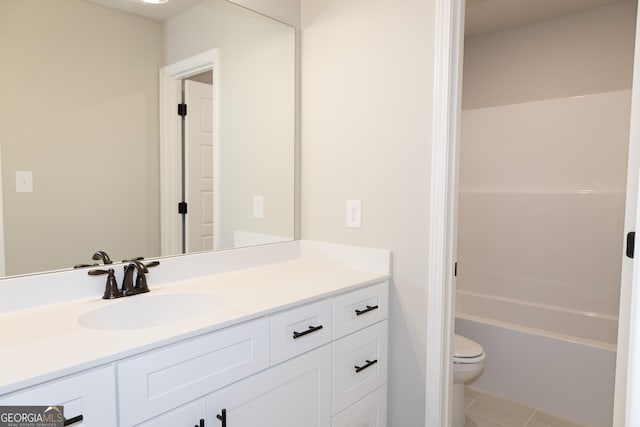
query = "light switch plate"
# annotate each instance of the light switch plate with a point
(258, 207)
(24, 182)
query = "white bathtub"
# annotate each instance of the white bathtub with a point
(560, 361)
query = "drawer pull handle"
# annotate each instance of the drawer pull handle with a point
(365, 366)
(308, 331)
(201, 424)
(73, 420)
(223, 417)
(366, 310)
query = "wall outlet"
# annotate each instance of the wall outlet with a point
(354, 213)
(258, 207)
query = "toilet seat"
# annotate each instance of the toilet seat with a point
(466, 351)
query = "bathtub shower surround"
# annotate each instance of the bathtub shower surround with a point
(542, 194)
(542, 191)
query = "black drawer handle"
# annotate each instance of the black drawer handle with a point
(308, 331)
(73, 420)
(201, 424)
(366, 310)
(223, 417)
(363, 367)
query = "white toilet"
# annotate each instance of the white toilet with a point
(468, 363)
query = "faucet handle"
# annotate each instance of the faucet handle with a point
(85, 265)
(111, 290)
(138, 258)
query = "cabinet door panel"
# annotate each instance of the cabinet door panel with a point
(154, 382)
(359, 309)
(90, 394)
(186, 416)
(370, 411)
(299, 330)
(359, 365)
(293, 394)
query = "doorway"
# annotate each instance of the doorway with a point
(543, 157)
(189, 154)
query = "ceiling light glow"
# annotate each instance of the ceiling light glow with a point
(155, 1)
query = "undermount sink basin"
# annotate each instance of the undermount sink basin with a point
(148, 311)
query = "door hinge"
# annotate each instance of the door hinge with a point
(182, 207)
(631, 243)
(182, 110)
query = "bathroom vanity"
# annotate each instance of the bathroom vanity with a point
(291, 334)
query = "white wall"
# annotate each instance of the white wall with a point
(80, 110)
(287, 11)
(578, 54)
(367, 73)
(257, 108)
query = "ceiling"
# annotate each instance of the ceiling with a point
(485, 16)
(156, 12)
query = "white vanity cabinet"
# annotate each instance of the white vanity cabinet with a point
(320, 363)
(89, 398)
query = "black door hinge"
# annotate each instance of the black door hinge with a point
(631, 243)
(182, 110)
(182, 207)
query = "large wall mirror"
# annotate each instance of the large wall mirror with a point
(81, 120)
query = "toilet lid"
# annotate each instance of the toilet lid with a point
(466, 348)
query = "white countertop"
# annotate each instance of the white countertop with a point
(46, 342)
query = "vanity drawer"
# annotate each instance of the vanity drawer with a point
(359, 365)
(90, 395)
(300, 330)
(359, 309)
(151, 383)
(370, 411)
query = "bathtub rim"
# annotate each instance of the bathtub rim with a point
(540, 332)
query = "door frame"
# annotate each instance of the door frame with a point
(449, 42)
(170, 78)
(3, 265)
(627, 388)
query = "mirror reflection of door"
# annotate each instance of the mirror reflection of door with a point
(198, 161)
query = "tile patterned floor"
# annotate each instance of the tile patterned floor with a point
(487, 410)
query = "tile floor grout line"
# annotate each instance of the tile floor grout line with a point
(472, 402)
(531, 417)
